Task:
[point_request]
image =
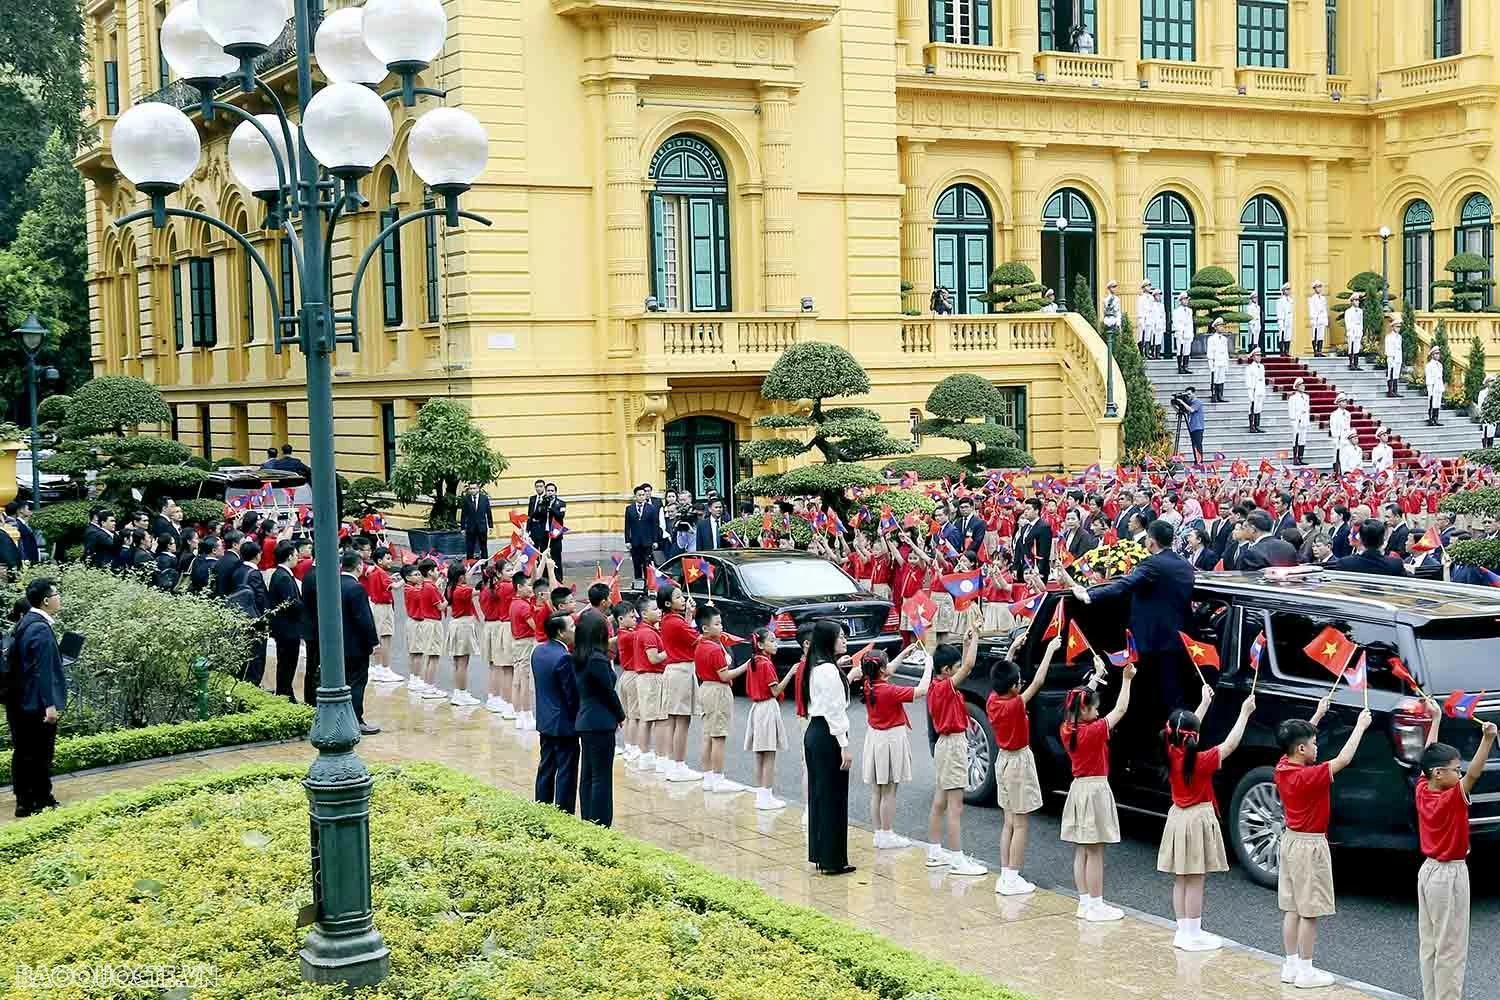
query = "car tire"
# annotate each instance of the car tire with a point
(1255, 823)
(981, 788)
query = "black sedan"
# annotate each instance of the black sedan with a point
(754, 588)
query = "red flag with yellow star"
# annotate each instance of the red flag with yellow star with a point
(1077, 644)
(1201, 653)
(1331, 650)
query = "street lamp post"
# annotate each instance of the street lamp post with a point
(307, 175)
(1062, 261)
(31, 334)
(1385, 261)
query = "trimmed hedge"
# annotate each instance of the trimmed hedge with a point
(477, 892)
(1484, 456)
(267, 718)
(1485, 500)
(1476, 552)
(927, 467)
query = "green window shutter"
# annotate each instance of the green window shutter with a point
(945, 260)
(937, 21)
(721, 250)
(177, 305)
(701, 253)
(976, 272)
(982, 22)
(658, 251)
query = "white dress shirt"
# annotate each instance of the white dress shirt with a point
(830, 700)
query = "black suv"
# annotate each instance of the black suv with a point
(1447, 635)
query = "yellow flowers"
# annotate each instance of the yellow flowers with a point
(1117, 559)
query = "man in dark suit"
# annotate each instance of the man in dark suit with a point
(476, 520)
(200, 570)
(1033, 541)
(642, 530)
(711, 527)
(1074, 540)
(18, 513)
(285, 596)
(311, 657)
(1139, 502)
(1397, 533)
(1287, 519)
(99, 539)
(1263, 548)
(360, 638)
(289, 462)
(970, 528)
(538, 519)
(557, 515)
(556, 682)
(221, 581)
(162, 523)
(247, 593)
(1374, 554)
(37, 695)
(272, 457)
(1342, 540)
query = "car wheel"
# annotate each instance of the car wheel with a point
(980, 790)
(1256, 820)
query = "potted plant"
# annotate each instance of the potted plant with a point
(439, 452)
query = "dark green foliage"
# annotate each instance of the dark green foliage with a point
(817, 371)
(1491, 412)
(1014, 288)
(53, 410)
(1214, 295)
(1370, 285)
(366, 494)
(1484, 456)
(1409, 343)
(1474, 375)
(1145, 420)
(199, 462)
(1477, 552)
(111, 403)
(1083, 301)
(229, 462)
(440, 450)
(63, 523)
(1468, 284)
(958, 399)
(1484, 500)
(1445, 354)
(925, 467)
(209, 512)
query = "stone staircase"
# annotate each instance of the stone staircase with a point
(1405, 415)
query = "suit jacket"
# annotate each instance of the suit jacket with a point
(476, 514)
(40, 681)
(98, 547)
(1365, 561)
(1122, 523)
(1395, 542)
(599, 708)
(553, 673)
(710, 532)
(360, 638)
(972, 534)
(1207, 558)
(167, 573)
(1340, 542)
(1033, 542)
(221, 580)
(1266, 551)
(1285, 521)
(32, 554)
(250, 578)
(200, 573)
(1078, 543)
(643, 528)
(309, 612)
(1223, 536)
(285, 599)
(1161, 592)
(10, 551)
(162, 526)
(538, 516)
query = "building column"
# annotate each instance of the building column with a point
(625, 244)
(916, 224)
(1226, 212)
(912, 31)
(1127, 35)
(1317, 222)
(1026, 213)
(1309, 21)
(1021, 32)
(778, 199)
(1218, 39)
(1130, 213)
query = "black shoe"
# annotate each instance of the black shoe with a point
(23, 811)
(368, 729)
(845, 870)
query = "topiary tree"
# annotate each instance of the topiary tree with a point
(111, 403)
(229, 462)
(53, 411)
(1445, 354)
(1474, 376)
(1083, 301)
(1014, 288)
(440, 450)
(1145, 420)
(958, 399)
(1490, 414)
(364, 495)
(1409, 344)
(151, 466)
(926, 467)
(844, 435)
(1213, 295)
(1371, 286)
(1469, 284)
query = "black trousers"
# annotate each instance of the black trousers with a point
(33, 741)
(827, 798)
(286, 665)
(357, 675)
(640, 558)
(596, 777)
(476, 543)
(255, 666)
(555, 550)
(557, 773)
(1197, 438)
(312, 676)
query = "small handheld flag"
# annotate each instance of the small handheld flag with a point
(1126, 655)
(1490, 577)
(730, 640)
(863, 653)
(1257, 651)
(964, 587)
(1429, 541)
(1055, 626)
(1202, 655)
(518, 519)
(1357, 676)
(1330, 649)
(1077, 644)
(1029, 607)
(692, 571)
(1462, 706)
(919, 611)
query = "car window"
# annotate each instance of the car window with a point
(1459, 655)
(785, 579)
(719, 585)
(1207, 621)
(1253, 624)
(1292, 632)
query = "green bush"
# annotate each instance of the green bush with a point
(1468, 285)
(1145, 420)
(1213, 295)
(228, 462)
(53, 409)
(1373, 300)
(1014, 288)
(477, 892)
(751, 527)
(1484, 456)
(154, 480)
(901, 502)
(110, 403)
(441, 449)
(1445, 353)
(961, 406)
(364, 495)
(930, 467)
(63, 522)
(199, 462)
(1474, 375)
(203, 512)
(1409, 345)
(1485, 500)
(1477, 552)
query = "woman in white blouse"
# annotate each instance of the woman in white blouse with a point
(826, 748)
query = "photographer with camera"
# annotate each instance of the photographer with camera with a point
(1190, 408)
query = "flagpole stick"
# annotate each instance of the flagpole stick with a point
(1335, 685)
(1366, 691)
(1254, 681)
(1201, 679)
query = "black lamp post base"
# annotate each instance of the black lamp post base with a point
(363, 960)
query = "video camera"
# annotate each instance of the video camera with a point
(1182, 403)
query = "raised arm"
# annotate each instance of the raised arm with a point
(971, 653)
(1351, 745)
(1232, 741)
(925, 683)
(1476, 766)
(1041, 671)
(1323, 706)
(1123, 704)
(1204, 701)
(1437, 721)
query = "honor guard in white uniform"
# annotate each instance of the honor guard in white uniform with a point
(1339, 420)
(1252, 309)
(1255, 388)
(1317, 317)
(1299, 411)
(1143, 324)
(1394, 350)
(1109, 312)
(1433, 378)
(1486, 431)
(1354, 329)
(1159, 323)
(1286, 313)
(1049, 301)
(1218, 360)
(1182, 331)
(1349, 456)
(1382, 456)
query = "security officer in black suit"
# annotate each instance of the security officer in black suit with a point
(99, 542)
(37, 695)
(1395, 522)
(285, 598)
(642, 530)
(1342, 540)
(1374, 555)
(476, 520)
(1265, 549)
(360, 638)
(1033, 541)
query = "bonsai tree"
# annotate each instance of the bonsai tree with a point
(958, 399)
(1474, 375)
(843, 435)
(907, 309)
(111, 403)
(442, 449)
(1469, 284)
(1213, 295)
(364, 495)
(1014, 288)
(1373, 299)
(1490, 414)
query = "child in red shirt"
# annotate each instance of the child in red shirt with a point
(496, 594)
(1017, 786)
(765, 733)
(1443, 882)
(463, 634)
(945, 706)
(651, 664)
(1304, 883)
(679, 689)
(1090, 819)
(887, 753)
(1192, 845)
(625, 623)
(715, 698)
(523, 644)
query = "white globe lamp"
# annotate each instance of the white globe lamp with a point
(191, 51)
(156, 147)
(253, 161)
(348, 129)
(243, 28)
(341, 50)
(406, 35)
(448, 149)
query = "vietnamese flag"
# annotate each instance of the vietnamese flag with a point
(614, 589)
(864, 652)
(730, 640)
(1430, 540)
(1331, 650)
(1399, 671)
(1202, 654)
(518, 519)
(1055, 626)
(1111, 536)
(692, 570)
(1077, 645)
(920, 611)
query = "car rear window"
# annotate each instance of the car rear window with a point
(788, 579)
(1460, 655)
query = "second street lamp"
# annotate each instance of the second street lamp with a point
(31, 335)
(307, 177)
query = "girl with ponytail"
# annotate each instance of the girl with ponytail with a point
(887, 753)
(1192, 845)
(1090, 819)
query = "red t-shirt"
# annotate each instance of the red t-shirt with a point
(1443, 822)
(462, 601)
(377, 583)
(303, 567)
(412, 596)
(946, 707)
(859, 566)
(708, 659)
(627, 649)
(880, 570)
(647, 637)
(1008, 719)
(1305, 795)
(429, 602)
(520, 619)
(495, 602)
(759, 678)
(1090, 758)
(678, 638)
(883, 705)
(1201, 788)
(267, 551)
(540, 612)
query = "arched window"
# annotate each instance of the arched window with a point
(689, 227)
(1416, 255)
(1067, 25)
(1447, 28)
(390, 255)
(1068, 253)
(960, 22)
(962, 242)
(1263, 257)
(1476, 233)
(1167, 248)
(430, 262)
(1261, 32)
(1169, 29)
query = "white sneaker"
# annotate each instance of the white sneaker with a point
(1013, 885)
(646, 761)
(664, 766)
(895, 842)
(1102, 912)
(681, 772)
(1084, 906)
(1289, 969)
(710, 781)
(765, 800)
(726, 787)
(415, 683)
(434, 694)
(1188, 940)
(879, 840)
(508, 711)
(965, 865)
(632, 754)
(463, 699)
(937, 857)
(494, 704)
(1309, 978)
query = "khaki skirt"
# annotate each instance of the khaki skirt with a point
(679, 689)
(945, 619)
(1192, 843)
(627, 690)
(385, 619)
(649, 701)
(765, 732)
(424, 637)
(498, 644)
(997, 618)
(1016, 784)
(1089, 816)
(523, 650)
(1304, 881)
(950, 757)
(463, 636)
(715, 702)
(887, 756)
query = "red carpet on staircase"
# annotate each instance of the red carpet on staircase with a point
(1282, 372)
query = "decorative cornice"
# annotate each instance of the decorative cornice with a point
(803, 14)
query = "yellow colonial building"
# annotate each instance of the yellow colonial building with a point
(682, 188)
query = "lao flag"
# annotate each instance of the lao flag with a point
(1490, 576)
(1127, 655)
(1029, 607)
(1357, 675)
(1430, 540)
(964, 587)
(1202, 654)
(518, 519)
(734, 540)
(615, 559)
(1331, 649)
(835, 523)
(557, 530)
(887, 520)
(653, 579)
(1462, 706)
(1257, 650)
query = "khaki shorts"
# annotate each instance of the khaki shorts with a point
(498, 644)
(1016, 784)
(716, 705)
(679, 689)
(950, 756)
(1304, 883)
(627, 690)
(648, 697)
(385, 619)
(523, 649)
